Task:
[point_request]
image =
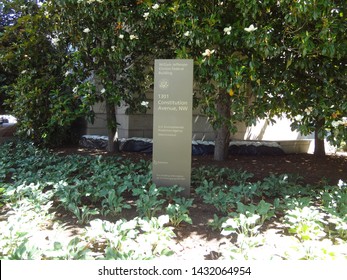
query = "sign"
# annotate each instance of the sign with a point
(172, 123)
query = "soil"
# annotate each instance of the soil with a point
(199, 241)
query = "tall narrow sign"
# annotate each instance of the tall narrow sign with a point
(172, 123)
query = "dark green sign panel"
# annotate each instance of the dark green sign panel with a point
(172, 122)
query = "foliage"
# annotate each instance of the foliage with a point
(83, 214)
(178, 211)
(135, 240)
(259, 59)
(149, 201)
(38, 93)
(24, 222)
(242, 224)
(225, 197)
(319, 61)
(2, 199)
(307, 223)
(106, 48)
(263, 209)
(252, 60)
(216, 223)
(40, 186)
(113, 201)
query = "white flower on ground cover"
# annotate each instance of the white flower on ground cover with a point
(86, 30)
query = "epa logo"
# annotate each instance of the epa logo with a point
(164, 84)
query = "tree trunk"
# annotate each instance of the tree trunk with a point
(222, 139)
(319, 148)
(112, 146)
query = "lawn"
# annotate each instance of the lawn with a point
(64, 205)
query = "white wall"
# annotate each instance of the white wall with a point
(140, 125)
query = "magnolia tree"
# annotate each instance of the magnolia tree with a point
(263, 58)
(215, 35)
(33, 82)
(253, 59)
(316, 52)
(303, 45)
(103, 41)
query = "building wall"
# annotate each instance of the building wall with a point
(141, 125)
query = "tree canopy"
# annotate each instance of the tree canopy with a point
(253, 59)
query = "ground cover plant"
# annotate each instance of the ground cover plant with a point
(106, 207)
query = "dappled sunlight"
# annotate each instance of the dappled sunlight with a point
(75, 206)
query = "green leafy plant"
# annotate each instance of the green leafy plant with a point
(339, 226)
(216, 223)
(172, 192)
(83, 214)
(67, 194)
(263, 209)
(283, 185)
(242, 224)
(225, 197)
(290, 202)
(149, 201)
(114, 202)
(334, 199)
(24, 221)
(245, 227)
(179, 211)
(306, 223)
(2, 198)
(75, 248)
(137, 239)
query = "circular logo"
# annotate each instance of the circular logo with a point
(164, 84)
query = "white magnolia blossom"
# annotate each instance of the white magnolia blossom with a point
(74, 90)
(208, 52)
(134, 37)
(103, 91)
(113, 48)
(335, 123)
(187, 33)
(146, 15)
(86, 30)
(145, 103)
(309, 110)
(299, 118)
(121, 36)
(340, 122)
(251, 28)
(341, 183)
(55, 41)
(227, 30)
(155, 7)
